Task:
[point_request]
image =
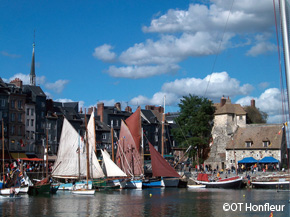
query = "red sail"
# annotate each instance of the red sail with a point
(160, 167)
(134, 125)
(128, 158)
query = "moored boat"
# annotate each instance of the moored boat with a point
(233, 182)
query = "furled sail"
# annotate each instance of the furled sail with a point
(112, 170)
(160, 167)
(128, 158)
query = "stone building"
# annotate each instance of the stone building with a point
(257, 141)
(228, 118)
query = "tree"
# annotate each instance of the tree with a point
(255, 116)
(194, 122)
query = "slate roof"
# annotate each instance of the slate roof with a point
(36, 90)
(257, 133)
(230, 109)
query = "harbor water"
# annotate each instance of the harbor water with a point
(152, 202)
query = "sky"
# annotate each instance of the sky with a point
(142, 52)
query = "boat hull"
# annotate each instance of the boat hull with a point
(78, 185)
(84, 192)
(131, 184)
(236, 183)
(171, 182)
(196, 186)
(272, 185)
(106, 184)
(153, 184)
(7, 191)
(39, 189)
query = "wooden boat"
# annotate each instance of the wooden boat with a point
(131, 184)
(89, 150)
(153, 183)
(7, 191)
(54, 187)
(279, 182)
(40, 187)
(71, 159)
(128, 157)
(233, 182)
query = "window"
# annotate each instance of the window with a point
(32, 122)
(266, 144)
(2, 102)
(27, 111)
(240, 117)
(12, 104)
(42, 114)
(32, 111)
(103, 136)
(12, 130)
(19, 130)
(27, 122)
(43, 104)
(117, 123)
(19, 117)
(112, 123)
(248, 144)
(32, 135)
(19, 104)
(13, 117)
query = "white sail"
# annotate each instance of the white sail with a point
(67, 163)
(112, 169)
(95, 168)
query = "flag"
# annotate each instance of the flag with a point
(271, 214)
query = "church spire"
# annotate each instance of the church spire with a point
(32, 70)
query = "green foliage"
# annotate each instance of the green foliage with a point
(255, 116)
(194, 122)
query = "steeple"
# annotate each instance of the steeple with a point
(32, 70)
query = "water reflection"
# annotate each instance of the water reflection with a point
(148, 202)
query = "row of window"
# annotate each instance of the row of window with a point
(30, 111)
(250, 143)
(16, 130)
(13, 104)
(19, 117)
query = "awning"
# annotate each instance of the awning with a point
(31, 159)
(248, 160)
(18, 155)
(268, 160)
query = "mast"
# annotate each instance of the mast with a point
(95, 139)
(286, 45)
(3, 151)
(112, 137)
(79, 155)
(87, 149)
(46, 152)
(162, 131)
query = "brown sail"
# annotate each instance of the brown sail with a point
(134, 125)
(127, 157)
(160, 167)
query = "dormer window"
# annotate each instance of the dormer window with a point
(248, 143)
(266, 144)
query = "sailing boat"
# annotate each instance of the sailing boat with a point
(67, 166)
(111, 171)
(128, 154)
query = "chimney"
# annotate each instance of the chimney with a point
(17, 82)
(100, 111)
(223, 101)
(128, 109)
(118, 106)
(253, 103)
(81, 110)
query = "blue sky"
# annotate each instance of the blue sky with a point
(135, 52)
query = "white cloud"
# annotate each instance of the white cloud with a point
(57, 86)
(25, 78)
(219, 84)
(261, 48)
(104, 53)
(136, 72)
